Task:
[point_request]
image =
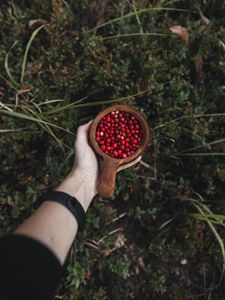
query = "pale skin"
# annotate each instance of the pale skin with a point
(54, 225)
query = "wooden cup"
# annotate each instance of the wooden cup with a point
(109, 165)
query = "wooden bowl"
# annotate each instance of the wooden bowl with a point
(109, 165)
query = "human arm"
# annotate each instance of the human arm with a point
(53, 224)
(28, 266)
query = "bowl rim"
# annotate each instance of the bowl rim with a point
(143, 122)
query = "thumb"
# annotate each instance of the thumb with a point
(82, 133)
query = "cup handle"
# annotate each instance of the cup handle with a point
(107, 177)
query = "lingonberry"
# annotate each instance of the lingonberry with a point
(119, 134)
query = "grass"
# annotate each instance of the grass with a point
(136, 13)
(24, 62)
(6, 65)
(211, 219)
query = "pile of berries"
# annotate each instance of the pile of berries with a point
(119, 134)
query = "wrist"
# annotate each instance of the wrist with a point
(77, 186)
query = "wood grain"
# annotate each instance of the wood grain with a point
(109, 165)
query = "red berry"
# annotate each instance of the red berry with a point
(119, 134)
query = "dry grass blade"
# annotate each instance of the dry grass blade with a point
(135, 34)
(6, 65)
(202, 154)
(166, 223)
(13, 130)
(138, 12)
(96, 103)
(202, 146)
(215, 219)
(49, 130)
(136, 15)
(24, 62)
(33, 119)
(2, 105)
(146, 165)
(50, 102)
(60, 143)
(190, 117)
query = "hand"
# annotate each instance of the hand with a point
(82, 180)
(85, 163)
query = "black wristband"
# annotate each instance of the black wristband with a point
(71, 203)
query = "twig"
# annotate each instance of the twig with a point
(20, 92)
(146, 165)
(204, 19)
(91, 245)
(117, 218)
(2, 105)
(110, 233)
